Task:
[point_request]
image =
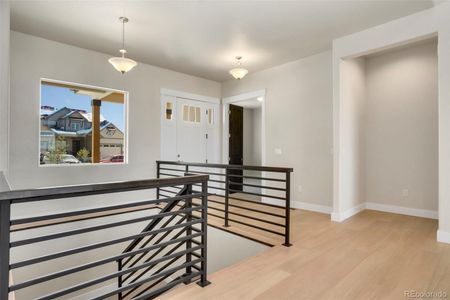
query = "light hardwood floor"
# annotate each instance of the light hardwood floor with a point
(373, 255)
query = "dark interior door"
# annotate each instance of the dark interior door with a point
(236, 145)
(76, 146)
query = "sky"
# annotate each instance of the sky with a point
(59, 97)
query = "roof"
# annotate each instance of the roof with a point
(82, 132)
(86, 115)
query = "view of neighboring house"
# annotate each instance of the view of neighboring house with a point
(75, 127)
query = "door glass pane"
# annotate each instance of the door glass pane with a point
(185, 113)
(169, 110)
(197, 114)
(191, 113)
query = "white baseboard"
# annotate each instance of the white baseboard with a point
(342, 216)
(301, 205)
(430, 214)
(443, 236)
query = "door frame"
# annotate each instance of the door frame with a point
(165, 93)
(226, 126)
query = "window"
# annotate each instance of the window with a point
(76, 126)
(71, 114)
(169, 111)
(191, 114)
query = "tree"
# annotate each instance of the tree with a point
(55, 155)
(83, 154)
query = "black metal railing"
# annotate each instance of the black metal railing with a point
(256, 197)
(171, 249)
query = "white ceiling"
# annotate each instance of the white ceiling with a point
(203, 37)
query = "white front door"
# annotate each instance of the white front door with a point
(190, 130)
(191, 136)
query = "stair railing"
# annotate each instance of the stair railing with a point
(193, 245)
(257, 197)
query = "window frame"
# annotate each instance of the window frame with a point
(42, 81)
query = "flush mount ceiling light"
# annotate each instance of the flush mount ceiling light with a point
(239, 72)
(121, 63)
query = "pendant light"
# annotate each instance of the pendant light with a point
(121, 63)
(239, 72)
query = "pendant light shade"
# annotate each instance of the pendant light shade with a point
(239, 72)
(121, 63)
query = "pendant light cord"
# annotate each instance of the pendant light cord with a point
(123, 35)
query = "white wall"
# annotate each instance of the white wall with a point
(353, 92)
(4, 83)
(404, 30)
(33, 58)
(401, 131)
(299, 122)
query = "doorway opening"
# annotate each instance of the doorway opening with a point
(244, 140)
(389, 130)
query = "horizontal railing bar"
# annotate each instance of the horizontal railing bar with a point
(96, 210)
(153, 235)
(149, 259)
(256, 202)
(147, 279)
(167, 191)
(258, 186)
(156, 243)
(256, 219)
(168, 286)
(96, 189)
(247, 224)
(176, 170)
(173, 175)
(233, 167)
(164, 195)
(144, 295)
(88, 283)
(196, 229)
(67, 221)
(257, 194)
(172, 261)
(248, 208)
(175, 256)
(98, 227)
(206, 173)
(79, 268)
(97, 245)
(248, 217)
(212, 187)
(256, 177)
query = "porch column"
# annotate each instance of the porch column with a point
(96, 130)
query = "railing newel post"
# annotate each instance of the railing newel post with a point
(5, 217)
(204, 253)
(189, 233)
(287, 231)
(158, 171)
(227, 195)
(119, 279)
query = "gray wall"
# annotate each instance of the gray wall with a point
(298, 121)
(4, 83)
(401, 131)
(33, 58)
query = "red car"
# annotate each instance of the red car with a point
(113, 159)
